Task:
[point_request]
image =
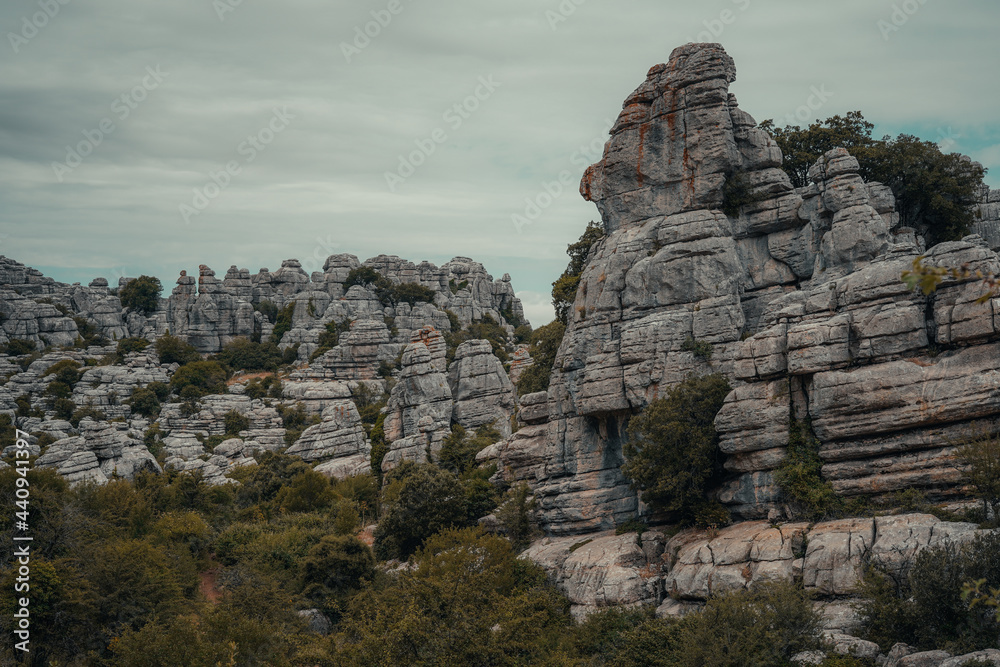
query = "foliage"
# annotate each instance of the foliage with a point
(174, 350)
(16, 347)
(982, 456)
(235, 422)
(141, 295)
(295, 420)
(242, 354)
(799, 475)
(458, 452)
(85, 411)
(700, 349)
(412, 293)
(202, 377)
(283, 322)
(738, 192)
(486, 329)
(128, 345)
(143, 401)
(921, 602)
(363, 275)
(672, 453)
(64, 408)
(418, 501)
(934, 191)
(329, 338)
(564, 288)
(516, 516)
(545, 343)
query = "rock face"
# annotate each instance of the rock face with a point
(418, 415)
(681, 572)
(97, 454)
(338, 443)
(797, 292)
(482, 391)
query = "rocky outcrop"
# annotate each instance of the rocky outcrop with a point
(98, 454)
(265, 430)
(338, 443)
(794, 294)
(480, 387)
(680, 573)
(418, 415)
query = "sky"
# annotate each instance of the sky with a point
(141, 137)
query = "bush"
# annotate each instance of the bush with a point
(307, 491)
(982, 457)
(921, 602)
(363, 275)
(144, 402)
(418, 501)
(235, 422)
(412, 293)
(141, 295)
(800, 478)
(516, 516)
(545, 342)
(160, 390)
(85, 412)
(66, 371)
(64, 408)
(700, 349)
(242, 354)
(329, 338)
(458, 452)
(174, 350)
(128, 345)
(283, 322)
(199, 378)
(17, 347)
(672, 453)
(268, 309)
(338, 564)
(565, 287)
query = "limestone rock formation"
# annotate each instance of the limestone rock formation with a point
(338, 443)
(482, 391)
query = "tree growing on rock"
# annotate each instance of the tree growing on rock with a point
(672, 453)
(564, 289)
(141, 295)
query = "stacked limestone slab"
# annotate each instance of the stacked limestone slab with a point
(798, 292)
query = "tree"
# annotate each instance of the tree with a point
(363, 275)
(545, 342)
(458, 452)
(672, 453)
(982, 456)
(241, 354)
(128, 345)
(412, 293)
(338, 564)
(564, 288)
(419, 500)
(141, 295)
(174, 350)
(144, 402)
(934, 191)
(204, 377)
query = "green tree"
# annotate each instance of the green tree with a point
(545, 342)
(418, 501)
(205, 377)
(141, 295)
(672, 453)
(412, 293)
(934, 191)
(564, 288)
(982, 457)
(144, 402)
(363, 275)
(458, 452)
(174, 350)
(241, 354)
(128, 345)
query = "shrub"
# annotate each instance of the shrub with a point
(516, 516)
(174, 350)
(799, 475)
(565, 287)
(235, 422)
(160, 390)
(141, 295)
(144, 402)
(283, 322)
(738, 192)
(920, 602)
(85, 412)
(17, 347)
(66, 371)
(307, 491)
(64, 408)
(199, 378)
(363, 275)
(338, 564)
(242, 354)
(268, 309)
(458, 452)
(295, 420)
(672, 453)
(88, 333)
(418, 501)
(412, 293)
(329, 338)
(485, 329)
(700, 349)
(128, 345)
(545, 342)
(982, 457)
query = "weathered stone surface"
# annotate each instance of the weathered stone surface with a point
(480, 387)
(339, 436)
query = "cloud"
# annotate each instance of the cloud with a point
(324, 176)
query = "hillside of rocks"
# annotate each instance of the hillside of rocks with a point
(394, 350)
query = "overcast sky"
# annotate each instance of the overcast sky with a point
(170, 93)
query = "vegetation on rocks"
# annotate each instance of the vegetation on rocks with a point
(141, 295)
